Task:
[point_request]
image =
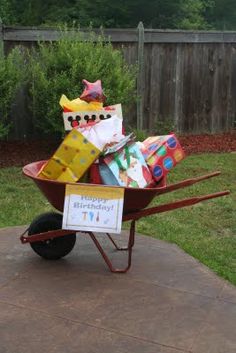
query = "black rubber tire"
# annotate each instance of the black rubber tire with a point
(51, 249)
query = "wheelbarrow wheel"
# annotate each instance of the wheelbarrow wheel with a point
(55, 248)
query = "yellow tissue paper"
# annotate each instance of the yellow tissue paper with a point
(71, 160)
(78, 105)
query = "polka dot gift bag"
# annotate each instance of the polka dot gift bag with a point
(71, 160)
(162, 153)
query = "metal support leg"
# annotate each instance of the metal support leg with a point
(128, 248)
(119, 248)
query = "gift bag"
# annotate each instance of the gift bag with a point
(126, 167)
(104, 133)
(71, 160)
(99, 173)
(162, 153)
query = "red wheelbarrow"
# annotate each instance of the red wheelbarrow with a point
(50, 241)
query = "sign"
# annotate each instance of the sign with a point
(93, 208)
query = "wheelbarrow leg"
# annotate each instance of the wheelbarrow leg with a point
(129, 248)
(119, 248)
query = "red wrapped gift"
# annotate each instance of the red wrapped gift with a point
(94, 174)
(162, 153)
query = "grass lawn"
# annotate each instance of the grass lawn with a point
(207, 230)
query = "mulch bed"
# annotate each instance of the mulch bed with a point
(21, 153)
(209, 143)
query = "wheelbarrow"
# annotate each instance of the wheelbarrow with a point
(50, 241)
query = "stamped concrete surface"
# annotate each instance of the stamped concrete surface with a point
(167, 303)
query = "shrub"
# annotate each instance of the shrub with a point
(11, 77)
(140, 135)
(58, 68)
(164, 127)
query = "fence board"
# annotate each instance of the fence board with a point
(189, 77)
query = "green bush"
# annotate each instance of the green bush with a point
(58, 68)
(164, 127)
(140, 135)
(11, 77)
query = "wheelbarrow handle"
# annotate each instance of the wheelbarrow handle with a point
(172, 206)
(187, 182)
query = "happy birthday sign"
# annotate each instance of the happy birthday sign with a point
(93, 208)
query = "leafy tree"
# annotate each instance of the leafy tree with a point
(182, 14)
(122, 13)
(222, 15)
(192, 14)
(6, 12)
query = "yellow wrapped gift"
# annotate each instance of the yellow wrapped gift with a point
(71, 160)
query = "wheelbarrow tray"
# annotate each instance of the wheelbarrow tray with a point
(135, 207)
(134, 198)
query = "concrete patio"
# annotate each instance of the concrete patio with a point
(167, 303)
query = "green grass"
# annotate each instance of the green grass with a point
(21, 200)
(207, 230)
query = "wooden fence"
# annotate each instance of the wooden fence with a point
(186, 80)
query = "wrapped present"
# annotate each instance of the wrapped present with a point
(114, 147)
(86, 117)
(88, 110)
(94, 174)
(99, 168)
(71, 160)
(127, 167)
(106, 175)
(162, 153)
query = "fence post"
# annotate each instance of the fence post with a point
(1, 38)
(140, 76)
(178, 90)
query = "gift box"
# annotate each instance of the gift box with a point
(126, 167)
(162, 153)
(88, 110)
(90, 117)
(71, 160)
